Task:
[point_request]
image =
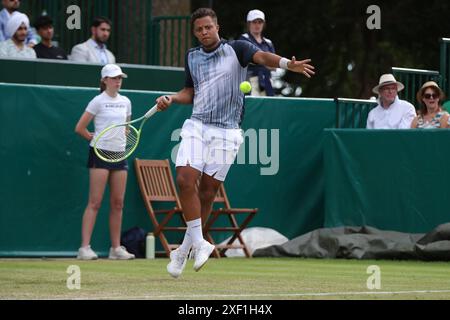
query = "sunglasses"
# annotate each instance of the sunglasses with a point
(430, 95)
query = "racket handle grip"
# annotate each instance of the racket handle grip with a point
(151, 112)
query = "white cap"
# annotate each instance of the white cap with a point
(255, 14)
(112, 70)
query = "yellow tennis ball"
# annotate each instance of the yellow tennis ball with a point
(245, 87)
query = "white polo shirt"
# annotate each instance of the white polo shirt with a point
(108, 111)
(399, 115)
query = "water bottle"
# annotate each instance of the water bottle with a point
(150, 246)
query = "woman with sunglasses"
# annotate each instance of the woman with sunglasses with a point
(431, 115)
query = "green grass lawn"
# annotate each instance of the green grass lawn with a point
(224, 279)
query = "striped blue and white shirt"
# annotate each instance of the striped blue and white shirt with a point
(215, 77)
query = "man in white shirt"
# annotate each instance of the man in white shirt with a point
(16, 29)
(391, 112)
(94, 50)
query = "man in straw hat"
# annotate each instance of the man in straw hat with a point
(391, 112)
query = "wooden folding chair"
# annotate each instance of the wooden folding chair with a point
(157, 185)
(235, 228)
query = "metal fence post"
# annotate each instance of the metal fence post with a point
(352, 113)
(413, 79)
(444, 64)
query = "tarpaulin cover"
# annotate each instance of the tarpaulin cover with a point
(365, 243)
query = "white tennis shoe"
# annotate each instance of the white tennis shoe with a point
(86, 253)
(177, 262)
(201, 254)
(120, 253)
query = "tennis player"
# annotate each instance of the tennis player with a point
(105, 109)
(212, 136)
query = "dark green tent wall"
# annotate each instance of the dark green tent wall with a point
(389, 179)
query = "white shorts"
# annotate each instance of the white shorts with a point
(208, 149)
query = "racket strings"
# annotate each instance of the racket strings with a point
(117, 143)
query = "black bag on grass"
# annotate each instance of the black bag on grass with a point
(134, 241)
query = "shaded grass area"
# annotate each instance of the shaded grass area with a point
(230, 279)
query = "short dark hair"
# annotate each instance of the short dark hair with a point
(201, 13)
(99, 20)
(43, 21)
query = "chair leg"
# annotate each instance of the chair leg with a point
(159, 229)
(216, 251)
(164, 243)
(237, 234)
(208, 236)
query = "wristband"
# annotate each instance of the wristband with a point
(284, 63)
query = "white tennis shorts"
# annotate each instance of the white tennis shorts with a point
(208, 149)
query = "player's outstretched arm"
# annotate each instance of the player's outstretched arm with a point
(184, 96)
(269, 59)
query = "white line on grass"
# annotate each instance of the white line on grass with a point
(275, 295)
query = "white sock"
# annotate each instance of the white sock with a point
(195, 231)
(187, 243)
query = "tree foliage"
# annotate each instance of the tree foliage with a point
(349, 57)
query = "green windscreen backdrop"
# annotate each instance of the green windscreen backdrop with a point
(44, 179)
(388, 179)
(70, 73)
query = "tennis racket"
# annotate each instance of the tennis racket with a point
(118, 141)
